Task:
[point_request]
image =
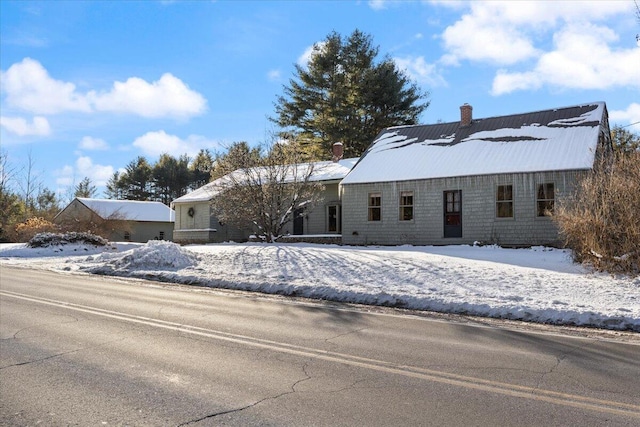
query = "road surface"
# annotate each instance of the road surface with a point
(90, 350)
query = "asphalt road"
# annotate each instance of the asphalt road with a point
(91, 351)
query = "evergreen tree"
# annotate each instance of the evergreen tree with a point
(47, 205)
(115, 187)
(238, 155)
(201, 168)
(345, 95)
(171, 178)
(137, 180)
(624, 141)
(85, 189)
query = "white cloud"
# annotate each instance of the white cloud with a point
(90, 143)
(39, 126)
(274, 75)
(29, 87)
(377, 4)
(84, 167)
(421, 71)
(505, 33)
(167, 97)
(304, 59)
(156, 143)
(482, 39)
(581, 59)
(630, 115)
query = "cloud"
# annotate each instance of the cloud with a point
(505, 33)
(377, 4)
(630, 115)
(90, 143)
(304, 59)
(421, 71)
(482, 40)
(167, 97)
(84, 167)
(156, 143)
(274, 75)
(29, 87)
(39, 126)
(581, 59)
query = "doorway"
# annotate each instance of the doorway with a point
(453, 213)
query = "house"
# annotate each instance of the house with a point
(491, 180)
(195, 222)
(139, 221)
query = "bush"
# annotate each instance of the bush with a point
(32, 226)
(44, 240)
(601, 222)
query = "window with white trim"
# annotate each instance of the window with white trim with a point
(545, 199)
(375, 207)
(406, 205)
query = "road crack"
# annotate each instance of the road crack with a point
(559, 360)
(64, 353)
(251, 405)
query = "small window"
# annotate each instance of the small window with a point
(504, 201)
(162, 235)
(545, 199)
(375, 207)
(127, 236)
(406, 205)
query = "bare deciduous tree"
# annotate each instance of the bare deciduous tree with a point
(264, 189)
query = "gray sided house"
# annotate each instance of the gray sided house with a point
(144, 220)
(492, 180)
(195, 222)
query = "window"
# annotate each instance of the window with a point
(162, 235)
(127, 236)
(406, 205)
(504, 201)
(545, 199)
(375, 207)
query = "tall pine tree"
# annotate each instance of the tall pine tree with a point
(345, 95)
(85, 188)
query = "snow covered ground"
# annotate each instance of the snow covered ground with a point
(537, 284)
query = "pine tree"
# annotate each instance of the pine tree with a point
(624, 141)
(115, 187)
(137, 179)
(201, 168)
(171, 178)
(345, 95)
(85, 189)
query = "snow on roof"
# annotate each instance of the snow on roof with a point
(131, 210)
(322, 172)
(558, 139)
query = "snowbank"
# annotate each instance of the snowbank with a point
(536, 284)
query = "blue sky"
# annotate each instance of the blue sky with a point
(86, 87)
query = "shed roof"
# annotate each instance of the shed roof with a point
(324, 171)
(557, 139)
(131, 210)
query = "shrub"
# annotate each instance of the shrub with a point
(32, 226)
(601, 221)
(56, 239)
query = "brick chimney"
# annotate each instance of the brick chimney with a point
(337, 151)
(465, 115)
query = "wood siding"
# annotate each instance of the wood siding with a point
(479, 220)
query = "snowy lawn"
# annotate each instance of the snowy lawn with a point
(537, 284)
